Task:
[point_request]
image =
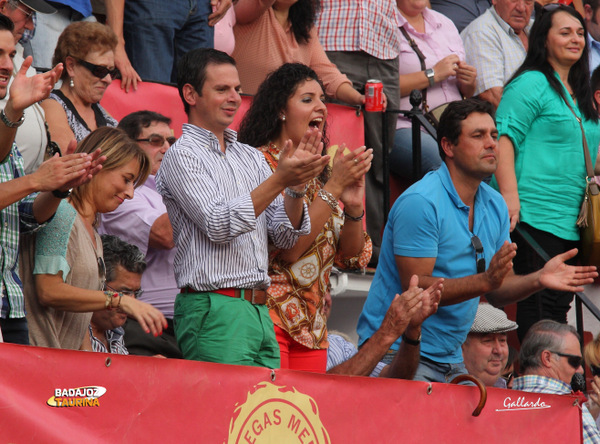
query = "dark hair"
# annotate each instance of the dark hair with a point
(594, 4)
(450, 125)
(6, 24)
(595, 80)
(543, 335)
(537, 60)
(261, 123)
(191, 69)
(133, 123)
(302, 16)
(118, 252)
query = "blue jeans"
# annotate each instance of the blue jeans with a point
(15, 330)
(158, 32)
(431, 371)
(401, 155)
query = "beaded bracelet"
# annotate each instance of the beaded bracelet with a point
(328, 198)
(355, 219)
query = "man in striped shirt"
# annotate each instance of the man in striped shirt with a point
(224, 205)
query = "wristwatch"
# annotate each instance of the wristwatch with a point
(409, 341)
(429, 74)
(61, 194)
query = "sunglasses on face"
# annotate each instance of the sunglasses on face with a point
(478, 246)
(99, 70)
(157, 140)
(573, 360)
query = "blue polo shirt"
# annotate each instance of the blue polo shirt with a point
(430, 220)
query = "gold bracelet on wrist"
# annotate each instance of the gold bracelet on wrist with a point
(328, 198)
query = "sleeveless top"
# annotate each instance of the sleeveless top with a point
(77, 124)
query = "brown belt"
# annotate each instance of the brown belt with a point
(252, 295)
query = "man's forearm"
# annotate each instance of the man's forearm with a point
(7, 134)
(514, 289)
(406, 361)
(44, 206)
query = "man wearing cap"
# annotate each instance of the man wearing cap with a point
(485, 350)
(550, 356)
(31, 136)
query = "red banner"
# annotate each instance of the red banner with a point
(49, 395)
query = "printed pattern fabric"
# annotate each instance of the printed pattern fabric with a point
(296, 294)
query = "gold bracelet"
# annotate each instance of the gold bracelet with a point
(109, 296)
(328, 198)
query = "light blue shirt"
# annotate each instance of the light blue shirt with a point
(430, 220)
(594, 48)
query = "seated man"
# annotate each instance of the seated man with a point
(496, 44)
(550, 357)
(124, 267)
(403, 319)
(143, 221)
(450, 224)
(485, 351)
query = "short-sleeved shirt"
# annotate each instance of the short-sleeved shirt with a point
(549, 161)
(430, 220)
(340, 351)
(494, 49)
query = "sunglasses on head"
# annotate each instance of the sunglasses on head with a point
(99, 70)
(573, 360)
(478, 246)
(157, 140)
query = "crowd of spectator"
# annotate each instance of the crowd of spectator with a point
(218, 246)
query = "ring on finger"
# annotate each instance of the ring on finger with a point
(355, 160)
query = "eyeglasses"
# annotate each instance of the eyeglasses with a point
(157, 140)
(551, 7)
(480, 261)
(508, 377)
(134, 294)
(574, 360)
(28, 14)
(99, 70)
(101, 269)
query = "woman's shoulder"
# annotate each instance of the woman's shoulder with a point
(527, 78)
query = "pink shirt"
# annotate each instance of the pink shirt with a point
(224, 38)
(263, 46)
(439, 40)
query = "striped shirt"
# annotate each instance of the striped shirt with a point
(340, 351)
(115, 339)
(542, 384)
(220, 243)
(359, 25)
(14, 219)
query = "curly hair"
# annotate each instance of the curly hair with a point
(119, 150)
(302, 16)
(80, 38)
(537, 60)
(261, 123)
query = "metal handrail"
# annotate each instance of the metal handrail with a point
(580, 297)
(418, 120)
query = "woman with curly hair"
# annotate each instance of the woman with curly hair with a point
(269, 33)
(290, 103)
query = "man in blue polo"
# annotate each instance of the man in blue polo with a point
(452, 225)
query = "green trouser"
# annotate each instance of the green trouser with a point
(216, 328)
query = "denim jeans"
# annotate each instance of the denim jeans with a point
(158, 32)
(401, 155)
(15, 330)
(431, 371)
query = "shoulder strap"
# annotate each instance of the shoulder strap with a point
(586, 153)
(421, 57)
